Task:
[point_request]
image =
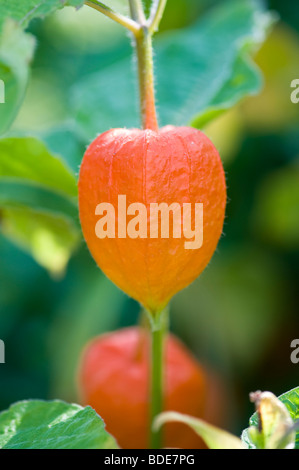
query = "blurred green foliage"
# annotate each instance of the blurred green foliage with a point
(241, 315)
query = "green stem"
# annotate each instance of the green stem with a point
(145, 59)
(156, 15)
(159, 328)
(137, 11)
(144, 50)
(128, 23)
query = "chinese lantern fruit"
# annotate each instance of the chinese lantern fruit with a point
(175, 165)
(114, 380)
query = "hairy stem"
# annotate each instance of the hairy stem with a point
(145, 64)
(159, 328)
(146, 80)
(137, 11)
(156, 15)
(128, 23)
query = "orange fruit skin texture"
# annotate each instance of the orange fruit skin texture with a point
(175, 164)
(114, 380)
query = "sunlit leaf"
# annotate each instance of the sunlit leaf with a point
(52, 425)
(51, 240)
(271, 427)
(28, 160)
(214, 437)
(38, 202)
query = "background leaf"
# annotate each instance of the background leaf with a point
(28, 159)
(64, 141)
(102, 303)
(26, 10)
(17, 48)
(277, 210)
(15, 193)
(193, 84)
(52, 425)
(49, 239)
(16, 51)
(38, 202)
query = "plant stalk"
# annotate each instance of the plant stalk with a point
(159, 329)
(128, 23)
(156, 15)
(144, 51)
(137, 11)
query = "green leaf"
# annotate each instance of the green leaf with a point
(200, 72)
(16, 51)
(291, 401)
(42, 222)
(26, 10)
(65, 142)
(15, 193)
(214, 437)
(52, 425)
(49, 239)
(276, 423)
(210, 65)
(38, 202)
(28, 159)
(17, 48)
(245, 80)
